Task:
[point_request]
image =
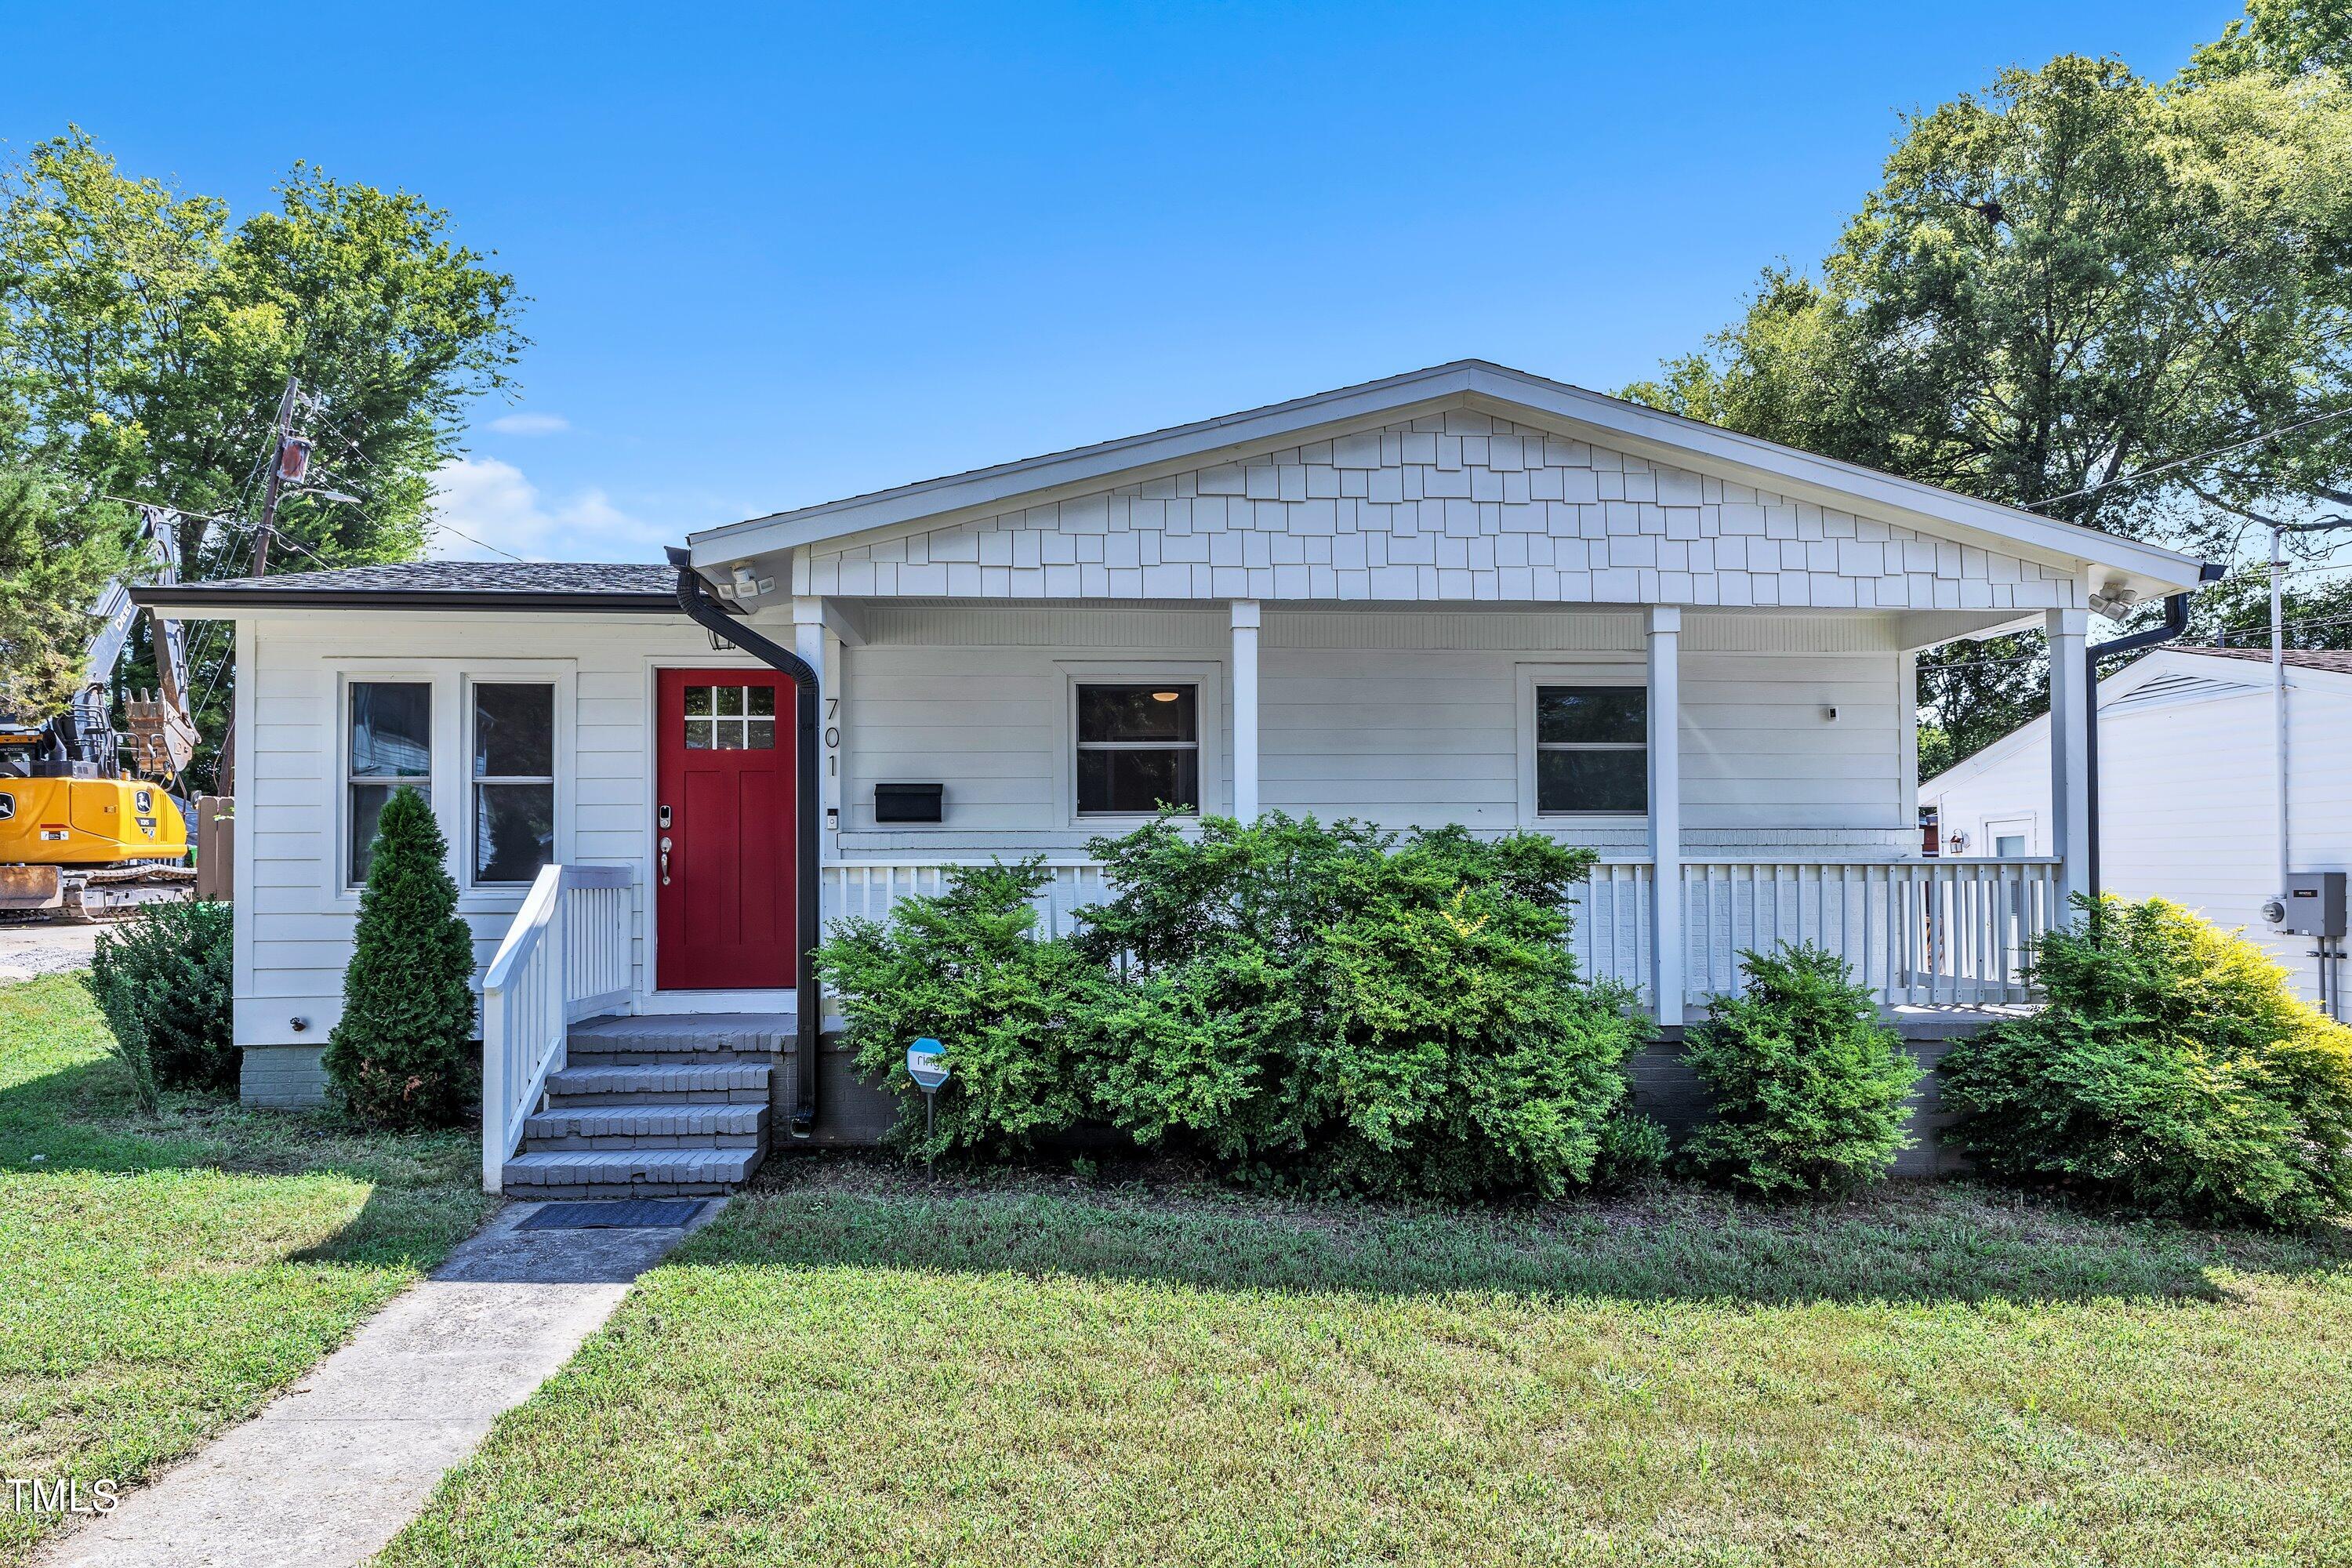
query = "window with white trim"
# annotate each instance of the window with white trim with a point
(389, 734)
(1592, 749)
(1138, 747)
(513, 780)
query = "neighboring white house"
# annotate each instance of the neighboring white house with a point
(1464, 594)
(2187, 787)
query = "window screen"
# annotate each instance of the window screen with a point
(391, 746)
(1593, 750)
(513, 780)
(1139, 748)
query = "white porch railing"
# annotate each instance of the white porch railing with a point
(1917, 931)
(869, 888)
(567, 956)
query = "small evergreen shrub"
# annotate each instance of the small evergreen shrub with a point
(164, 980)
(2173, 1069)
(963, 967)
(1808, 1085)
(1633, 1147)
(399, 1056)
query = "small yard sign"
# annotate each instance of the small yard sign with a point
(926, 1064)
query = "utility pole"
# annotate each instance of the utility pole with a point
(290, 459)
(284, 452)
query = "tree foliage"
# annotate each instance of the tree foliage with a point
(398, 1056)
(2068, 282)
(55, 557)
(146, 338)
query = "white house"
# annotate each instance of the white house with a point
(2188, 786)
(1464, 594)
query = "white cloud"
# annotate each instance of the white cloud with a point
(531, 425)
(484, 508)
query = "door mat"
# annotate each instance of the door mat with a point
(636, 1213)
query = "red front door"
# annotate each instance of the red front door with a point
(723, 833)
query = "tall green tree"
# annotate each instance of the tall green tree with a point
(54, 559)
(146, 337)
(2082, 292)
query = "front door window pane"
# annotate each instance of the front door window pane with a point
(730, 717)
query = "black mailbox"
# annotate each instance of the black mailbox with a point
(907, 802)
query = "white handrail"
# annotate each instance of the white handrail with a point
(569, 955)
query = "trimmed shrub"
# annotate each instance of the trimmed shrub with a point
(2173, 1069)
(1808, 1085)
(165, 981)
(1335, 1005)
(963, 967)
(1294, 1002)
(1633, 1147)
(399, 1056)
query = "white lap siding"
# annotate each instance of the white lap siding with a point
(1401, 717)
(294, 916)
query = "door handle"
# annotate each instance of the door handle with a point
(665, 861)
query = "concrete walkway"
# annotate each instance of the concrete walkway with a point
(330, 1469)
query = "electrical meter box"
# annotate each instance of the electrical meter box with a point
(2315, 903)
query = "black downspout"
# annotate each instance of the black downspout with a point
(694, 596)
(2176, 621)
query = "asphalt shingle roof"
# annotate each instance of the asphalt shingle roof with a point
(465, 577)
(2335, 659)
(494, 585)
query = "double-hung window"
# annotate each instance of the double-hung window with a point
(513, 780)
(1139, 748)
(390, 740)
(1592, 749)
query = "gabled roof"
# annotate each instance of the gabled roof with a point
(1473, 383)
(2174, 673)
(537, 585)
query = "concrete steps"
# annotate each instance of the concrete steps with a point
(653, 1107)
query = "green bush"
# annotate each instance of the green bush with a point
(1808, 1086)
(1632, 1147)
(1296, 1001)
(399, 1056)
(1336, 1004)
(963, 967)
(164, 980)
(2173, 1069)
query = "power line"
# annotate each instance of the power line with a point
(2196, 459)
(472, 539)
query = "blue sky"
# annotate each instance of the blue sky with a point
(781, 254)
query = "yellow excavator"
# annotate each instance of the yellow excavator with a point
(83, 837)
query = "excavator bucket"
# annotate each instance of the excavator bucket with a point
(162, 739)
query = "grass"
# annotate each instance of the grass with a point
(854, 1366)
(160, 1279)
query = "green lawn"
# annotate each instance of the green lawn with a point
(158, 1280)
(855, 1367)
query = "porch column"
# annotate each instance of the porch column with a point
(1246, 627)
(2070, 730)
(818, 647)
(1667, 812)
